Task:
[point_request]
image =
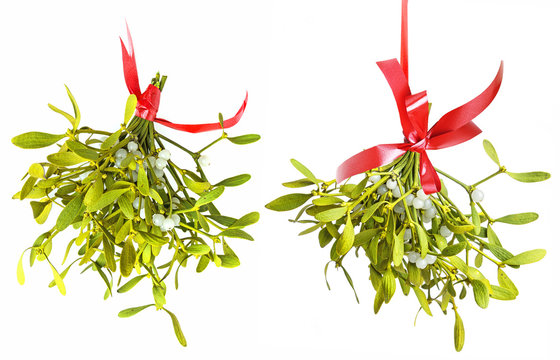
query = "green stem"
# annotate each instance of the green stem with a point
(465, 186)
(175, 144)
(501, 170)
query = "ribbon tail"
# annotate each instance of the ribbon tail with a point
(428, 175)
(129, 66)
(460, 116)
(198, 128)
(370, 159)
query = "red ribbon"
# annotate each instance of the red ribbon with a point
(453, 128)
(148, 101)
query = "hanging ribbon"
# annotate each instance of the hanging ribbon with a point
(148, 101)
(453, 128)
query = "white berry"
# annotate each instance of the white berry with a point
(407, 235)
(132, 146)
(176, 219)
(382, 189)
(428, 204)
(136, 203)
(418, 203)
(413, 256)
(158, 172)
(167, 224)
(421, 263)
(477, 195)
(430, 259)
(142, 213)
(157, 219)
(151, 161)
(445, 232)
(426, 219)
(137, 153)
(121, 154)
(374, 178)
(399, 208)
(431, 212)
(396, 192)
(409, 199)
(161, 163)
(391, 184)
(164, 154)
(420, 194)
(204, 160)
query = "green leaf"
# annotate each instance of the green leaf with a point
(236, 233)
(123, 232)
(77, 115)
(423, 239)
(331, 214)
(128, 258)
(519, 219)
(68, 117)
(159, 296)
(298, 183)
(20, 273)
(95, 191)
(229, 261)
(398, 248)
(143, 185)
(346, 239)
(130, 284)
(221, 119)
(36, 140)
(132, 311)
(198, 187)
(65, 159)
(202, 264)
(130, 107)
(499, 252)
(489, 148)
(454, 249)
(41, 210)
(106, 199)
(81, 150)
(389, 285)
(500, 293)
(235, 180)
(529, 177)
(27, 187)
(209, 196)
(327, 200)
(177, 328)
(481, 295)
(37, 171)
(422, 300)
(459, 229)
(246, 220)
(288, 202)
(244, 139)
(492, 237)
(475, 219)
(126, 207)
(58, 280)
(526, 257)
(305, 171)
(198, 249)
(459, 332)
(109, 252)
(111, 140)
(69, 213)
(155, 195)
(506, 282)
(349, 279)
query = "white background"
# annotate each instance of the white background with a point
(315, 94)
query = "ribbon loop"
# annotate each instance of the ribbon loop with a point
(148, 101)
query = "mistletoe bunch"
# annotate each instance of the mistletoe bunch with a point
(427, 243)
(131, 205)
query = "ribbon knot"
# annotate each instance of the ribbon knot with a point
(453, 128)
(148, 101)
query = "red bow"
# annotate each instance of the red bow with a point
(453, 128)
(148, 101)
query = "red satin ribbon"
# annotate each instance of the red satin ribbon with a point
(148, 101)
(453, 128)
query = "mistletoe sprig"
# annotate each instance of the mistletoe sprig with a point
(133, 207)
(425, 243)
